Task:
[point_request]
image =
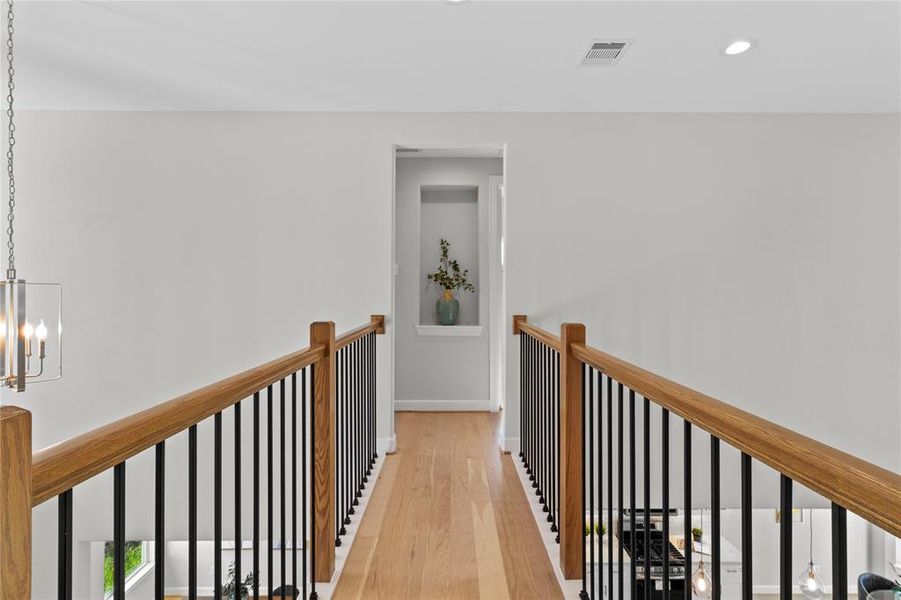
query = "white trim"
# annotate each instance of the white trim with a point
(496, 291)
(572, 587)
(442, 405)
(386, 445)
(449, 330)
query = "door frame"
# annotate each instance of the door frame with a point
(497, 231)
(392, 266)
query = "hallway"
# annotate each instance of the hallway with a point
(448, 519)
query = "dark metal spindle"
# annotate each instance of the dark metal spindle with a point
(747, 583)
(270, 467)
(159, 544)
(192, 512)
(119, 531)
(281, 449)
(294, 480)
(664, 498)
(591, 479)
(839, 553)
(686, 482)
(648, 584)
(610, 487)
(715, 514)
(64, 546)
(632, 511)
(256, 495)
(785, 538)
(238, 543)
(586, 399)
(619, 414)
(217, 505)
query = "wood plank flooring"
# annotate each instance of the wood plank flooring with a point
(448, 520)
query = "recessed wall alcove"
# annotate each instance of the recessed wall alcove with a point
(449, 212)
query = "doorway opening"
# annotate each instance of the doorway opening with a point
(448, 288)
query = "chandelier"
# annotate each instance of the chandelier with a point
(28, 351)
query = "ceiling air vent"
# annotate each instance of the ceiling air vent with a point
(604, 53)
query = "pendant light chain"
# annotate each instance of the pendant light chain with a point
(10, 216)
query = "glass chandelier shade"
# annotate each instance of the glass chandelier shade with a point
(701, 584)
(810, 583)
(30, 332)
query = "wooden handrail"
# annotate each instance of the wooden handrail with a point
(376, 325)
(545, 337)
(64, 465)
(863, 488)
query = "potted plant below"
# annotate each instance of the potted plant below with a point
(232, 583)
(451, 278)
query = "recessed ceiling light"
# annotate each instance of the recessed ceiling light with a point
(738, 47)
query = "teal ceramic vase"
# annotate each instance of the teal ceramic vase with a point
(448, 308)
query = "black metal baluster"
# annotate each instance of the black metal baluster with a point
(358, 404)
(339, 446)
(620, 493)
(648, 583)
(785, 538)
(282, 455)
(715, 552)
(664, 499)
(591, 480)
(270, 468)
(217, 505)
(839, 553)
(586, 400)
(556, 526)
(192, 512)
(747, 582)
(239, 545)
(600, 475)
(312, 578)
(532, 391)
(686, 470)
(294, 481)
(303, 477)
(632, 511)
(523, 371)
(119, 531)
(538, 430)
(609, 488)
(159, 544)
(551, 437)
(64, 546)
(256, 495)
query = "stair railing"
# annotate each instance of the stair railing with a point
(580, 429)
(326, 392)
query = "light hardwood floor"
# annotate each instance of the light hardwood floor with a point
(448, 519)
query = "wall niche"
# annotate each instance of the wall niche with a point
(449, 212)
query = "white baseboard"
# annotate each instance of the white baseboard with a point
(442, 405)
(510, 445)
(386, 445)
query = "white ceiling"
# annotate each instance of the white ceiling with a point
(478, 55)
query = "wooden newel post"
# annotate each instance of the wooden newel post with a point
(15, 503)
(572, 511)
(324, 452)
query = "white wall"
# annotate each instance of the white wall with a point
(451, 373)
(754, 257)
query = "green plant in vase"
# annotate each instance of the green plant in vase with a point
(697, 533)
(233, 583)
(451, 277)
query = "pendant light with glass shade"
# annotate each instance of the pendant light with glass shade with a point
(701, 583)
(809, 581)
(28, 353)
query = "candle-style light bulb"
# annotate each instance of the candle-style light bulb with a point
(41, 333)
(28, 333)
